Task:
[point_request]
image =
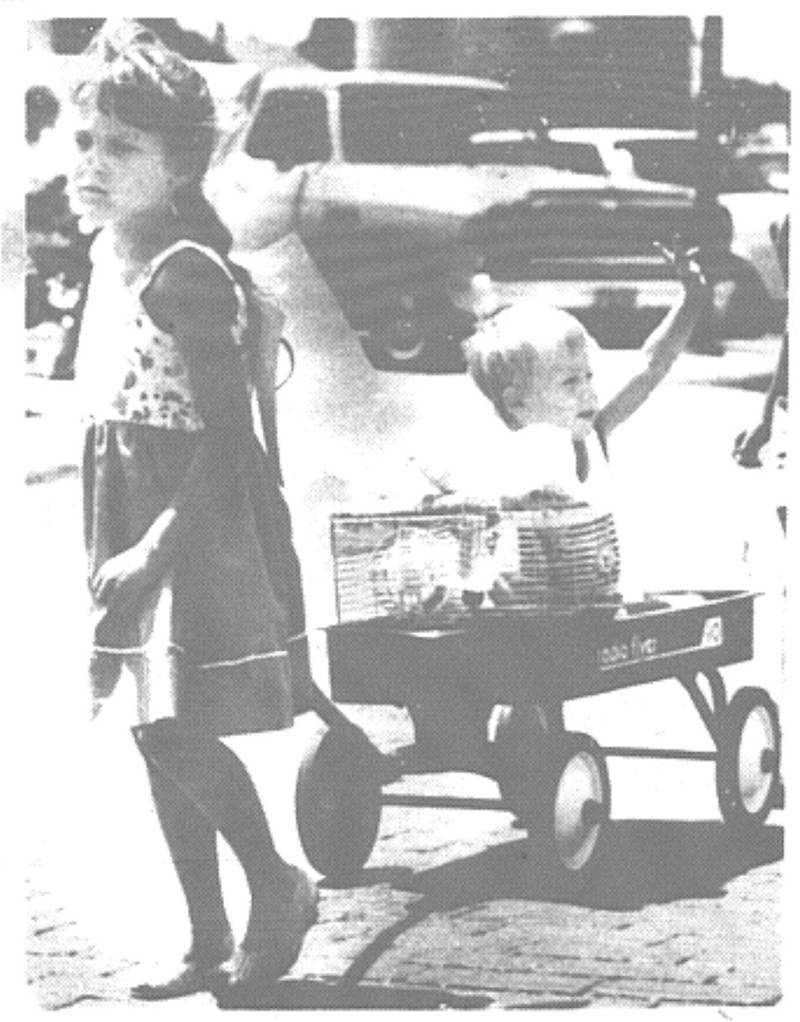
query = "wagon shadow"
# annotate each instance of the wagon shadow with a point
(644, 863)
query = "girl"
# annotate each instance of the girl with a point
(192, 571)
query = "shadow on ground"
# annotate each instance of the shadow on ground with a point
(643, 863)
(309, 994)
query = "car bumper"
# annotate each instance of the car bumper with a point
(594, 294)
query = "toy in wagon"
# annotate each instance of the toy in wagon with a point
(538, 551)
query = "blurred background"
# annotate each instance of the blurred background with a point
(606, 133)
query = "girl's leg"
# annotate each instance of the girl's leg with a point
(192, 842)
(212, 777)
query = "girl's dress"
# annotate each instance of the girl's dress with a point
(211, 645)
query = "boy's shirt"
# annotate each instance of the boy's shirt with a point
(483, 460)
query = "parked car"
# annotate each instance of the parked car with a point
(751, 181)
(401, 197)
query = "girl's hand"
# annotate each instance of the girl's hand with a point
(685, 262)
(123, 580)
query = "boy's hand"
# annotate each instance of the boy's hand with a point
(748, 444)
(123, 580)
(684, 260)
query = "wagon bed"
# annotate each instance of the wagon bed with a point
(566, 654)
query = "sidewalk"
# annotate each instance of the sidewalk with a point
(444, 916)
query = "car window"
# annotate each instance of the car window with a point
(677, 161)
(291, 128)
(578, 157)
(689, 162)
(412, 124)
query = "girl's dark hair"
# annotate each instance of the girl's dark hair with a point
(133, 76)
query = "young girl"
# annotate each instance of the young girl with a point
(191, 566)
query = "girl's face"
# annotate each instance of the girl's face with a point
(120, 175)
(561, 390)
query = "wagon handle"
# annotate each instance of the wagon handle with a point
(386, 766)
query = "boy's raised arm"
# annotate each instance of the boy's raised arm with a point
(665, 343)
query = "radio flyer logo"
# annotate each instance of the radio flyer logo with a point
(713, 634)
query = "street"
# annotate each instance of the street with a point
(442, 916)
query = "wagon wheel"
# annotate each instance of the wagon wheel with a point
(338, 804)
(568, 816)
(521, 738)
(748, 759)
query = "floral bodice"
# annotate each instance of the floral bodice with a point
(128, 368)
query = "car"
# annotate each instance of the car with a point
(750, 179)
(404, 199)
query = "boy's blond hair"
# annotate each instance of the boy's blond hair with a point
(507, 348)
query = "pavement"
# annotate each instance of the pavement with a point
(445, 914)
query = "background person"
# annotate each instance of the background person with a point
(751, 443)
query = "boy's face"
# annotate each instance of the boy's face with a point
(560, 389)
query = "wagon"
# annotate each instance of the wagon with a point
(511, 666)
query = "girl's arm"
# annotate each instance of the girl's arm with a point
(193, 299)
(664, 345)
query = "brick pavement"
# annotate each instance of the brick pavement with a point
(444, 916)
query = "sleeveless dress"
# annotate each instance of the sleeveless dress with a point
(220, 642)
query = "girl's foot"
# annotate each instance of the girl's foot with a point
(258, 963)
(201, 971)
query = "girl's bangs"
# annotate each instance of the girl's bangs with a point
(145, 109)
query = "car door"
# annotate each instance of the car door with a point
(258, 189)
(382, 219)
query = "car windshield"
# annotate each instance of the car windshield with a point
(414, 123)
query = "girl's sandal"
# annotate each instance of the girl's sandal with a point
(193, 979)
(201, 972)
(252, 969)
